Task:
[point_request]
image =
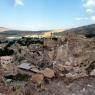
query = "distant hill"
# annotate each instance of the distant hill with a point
(84, 30)
(7, 32)
(2, 29)
(15, 32)
(88, 30)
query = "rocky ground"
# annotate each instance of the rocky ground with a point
(62, 86)
(82, 86)
(64, 67)
(73, 62)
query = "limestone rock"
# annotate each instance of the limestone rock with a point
(92, 73)
(59, 67)
(68, 63)
(74, 75)
(70, 75)
(48, 73)
(37, 78)
(35, 70)
(68, 68)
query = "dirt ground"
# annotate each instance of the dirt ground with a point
(82, 86)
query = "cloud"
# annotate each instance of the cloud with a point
(89, 5)
(19, 2)
(78, 18)
(90, 10)
(81, 18)
(93, 18)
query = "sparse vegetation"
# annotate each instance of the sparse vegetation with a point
(6, 52)
(53, 62)
(18, 77)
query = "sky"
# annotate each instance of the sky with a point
(46, 14)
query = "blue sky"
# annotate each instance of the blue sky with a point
(46, 14)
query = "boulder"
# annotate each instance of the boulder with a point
(92, 72)
(47, 72)
(37, 78)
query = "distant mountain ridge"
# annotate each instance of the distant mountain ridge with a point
(8, 32)
(88, 30)
(84, 30)
(2, 29)
(18, 32)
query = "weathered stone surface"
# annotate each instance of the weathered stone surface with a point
(2, 94)
(75, 75)
(59, 67)
(37, 78)
(68, 63)
(92, 73)
(68, 68)
(35, 70)
(49, 73)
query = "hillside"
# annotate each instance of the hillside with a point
(88, 30)
(7, 32)
(2, 29)
(84, 30)
(19, 33)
